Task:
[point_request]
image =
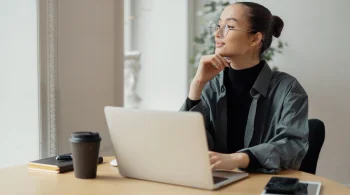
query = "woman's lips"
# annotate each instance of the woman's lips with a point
(218, 45)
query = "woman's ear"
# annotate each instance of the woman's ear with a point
(257, 39)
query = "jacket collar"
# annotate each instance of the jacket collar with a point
(261, 84)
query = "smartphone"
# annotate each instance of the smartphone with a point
(282, 185)
(304, 188)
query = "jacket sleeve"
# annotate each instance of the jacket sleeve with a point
(202, 107)
(288, 147)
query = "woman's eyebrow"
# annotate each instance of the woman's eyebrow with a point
(234, 19)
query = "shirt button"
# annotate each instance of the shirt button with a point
(222, 88)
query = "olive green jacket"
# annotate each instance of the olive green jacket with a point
(277, 125)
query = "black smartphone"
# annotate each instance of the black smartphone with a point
(282, 185)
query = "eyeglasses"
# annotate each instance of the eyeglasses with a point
(223, 30)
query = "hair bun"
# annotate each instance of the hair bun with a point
(277, 26)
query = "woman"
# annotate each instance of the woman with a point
(256, 119)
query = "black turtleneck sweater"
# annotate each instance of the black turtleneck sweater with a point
(238, 84)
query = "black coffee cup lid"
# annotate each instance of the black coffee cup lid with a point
(85, 136)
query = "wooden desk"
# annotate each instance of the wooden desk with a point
(18, 180)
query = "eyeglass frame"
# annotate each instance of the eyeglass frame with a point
(226, 26)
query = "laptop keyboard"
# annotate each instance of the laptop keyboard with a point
(218, 179)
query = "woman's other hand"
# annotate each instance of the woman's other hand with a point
(209, 66)
(228, 161)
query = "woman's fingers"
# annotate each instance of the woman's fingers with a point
(217, 62)
(228, 60)
(210, 153)
(215, 165)
(223, 60)
(214, 159)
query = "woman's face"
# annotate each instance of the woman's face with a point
(237, 42)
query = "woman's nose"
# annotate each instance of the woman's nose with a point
(217, 33)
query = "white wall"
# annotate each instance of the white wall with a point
(317, 34)
(90, 66)
(160, 33)
(19, 122)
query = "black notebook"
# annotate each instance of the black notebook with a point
(53, 166)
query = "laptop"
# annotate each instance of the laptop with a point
(164, 146)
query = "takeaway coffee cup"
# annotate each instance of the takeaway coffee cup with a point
(85, 148)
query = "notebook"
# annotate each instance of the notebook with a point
(52, 165)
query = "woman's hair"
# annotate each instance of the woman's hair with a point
(261, 20)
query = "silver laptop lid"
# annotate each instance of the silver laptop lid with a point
(162, 146)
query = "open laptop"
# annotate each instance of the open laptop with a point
(164, 146)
